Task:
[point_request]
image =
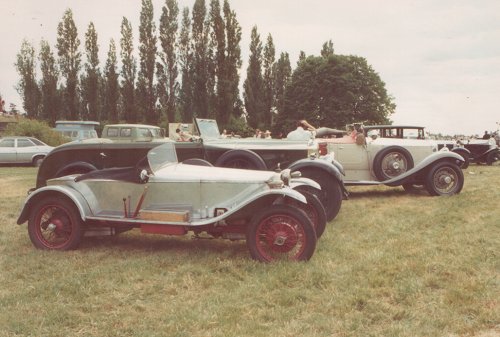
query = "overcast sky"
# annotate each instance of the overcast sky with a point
(440, 60)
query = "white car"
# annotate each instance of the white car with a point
(372, 160)
(23, 150)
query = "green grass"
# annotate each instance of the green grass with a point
(391, 264)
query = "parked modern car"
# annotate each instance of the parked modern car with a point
(161, 196)
(23, 150)
(372, 160)
(208, 148)
(77, 130)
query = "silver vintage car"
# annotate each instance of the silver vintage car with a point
(273, 212)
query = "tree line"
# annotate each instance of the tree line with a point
(188, 66)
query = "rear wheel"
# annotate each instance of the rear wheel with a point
(55, 224)
(330, 194)
(444, 178)
(281, 232)
(241, 158)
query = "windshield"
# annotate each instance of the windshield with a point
(161, 156)
(208, 128)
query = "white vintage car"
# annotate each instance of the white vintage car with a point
(371, 160)
(271, 211)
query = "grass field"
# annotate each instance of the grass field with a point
(391, 264)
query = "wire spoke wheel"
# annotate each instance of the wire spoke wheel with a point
(54, 225)
(281, 232)
(444, 179)
(394, 164)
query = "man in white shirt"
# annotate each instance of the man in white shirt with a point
(300, 133)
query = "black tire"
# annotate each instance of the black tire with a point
(241, 158)
(37, 161)
(392, 162)
(331, 193)
(444, 179)
(197, 161)
(55, 224)
(493, 158)
(412, 188)
(281, 232)
(314, 210)
(465, 156)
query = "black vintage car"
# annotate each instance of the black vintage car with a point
(483, 151)
(207, 149)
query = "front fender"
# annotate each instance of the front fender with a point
(302, 181)
(423, 165)
(325, 164)
(64, 191)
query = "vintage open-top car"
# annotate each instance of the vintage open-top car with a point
(251, 153)
(373, 160)
(274, 212)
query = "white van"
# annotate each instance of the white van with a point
(77, 130)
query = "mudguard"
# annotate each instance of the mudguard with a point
(78, 164)
(75, 196)
(295, 182)
(423, 165)
(325, 163)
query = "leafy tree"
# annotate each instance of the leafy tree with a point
(90, 80)
(269, 85)
(201, 60)
(128, 72)
(167, 67)
(302, 57)
(35, 128)
(27, 86)
(186, 61)
(218, 64)
(69, 62)
(253, 86)
(111, 85)
(48, 84)
(147, 52)
(335, 91)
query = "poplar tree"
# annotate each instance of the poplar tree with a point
(128, 72)
(50, 104)
(27, 86)
(253, 86)
(218, 78)
(233, 62)
(69, 63)
(282, 74)
(90, 80)
(111, 85)
(147, 53)
(167, 67)
(268, 77)
(327, 49)
(200, 64)
(185, 62)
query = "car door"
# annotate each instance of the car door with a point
(25, 150)
(7, 150)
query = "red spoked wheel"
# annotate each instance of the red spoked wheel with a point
(54, 224)
(281, 232)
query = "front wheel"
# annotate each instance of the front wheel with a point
(444, 179)
(281, 232)
(493, 158)
(314, 209)
(331, 193)
(55, 224)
